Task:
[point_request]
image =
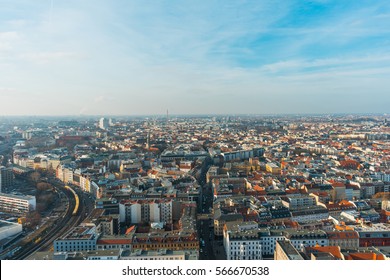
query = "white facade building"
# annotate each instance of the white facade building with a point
(17, 203)
(81, 238)
(150, 211)
(301, 239)
(104, 123)
(242, 241)
(268, 242)
(309, 213)
(299, 201)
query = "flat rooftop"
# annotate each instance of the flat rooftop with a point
(290, 250)
(161, 252)
(6, 224)
(26, 197)
(373, 227)
(80, 232)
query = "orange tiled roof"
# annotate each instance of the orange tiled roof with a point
(350, 234)
(334, 250)
(291, 224)
(129, 230)
(364, 256)
(345, 203)
(113, 241)
(258, 188)
(343, 227)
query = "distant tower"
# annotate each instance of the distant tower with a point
(148, 141)
(104, 123)
(167, 116)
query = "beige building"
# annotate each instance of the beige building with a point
(220, 220)
(338, 193)
(344, 239)
(286, 251)
(273, 168)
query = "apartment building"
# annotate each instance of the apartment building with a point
(17, 203)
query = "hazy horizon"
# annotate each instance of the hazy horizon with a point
(138, 58)
(172, 116)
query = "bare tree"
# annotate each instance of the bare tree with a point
(35, 177)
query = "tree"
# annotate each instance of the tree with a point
(33, 219)
(35, 177)
(42, 186)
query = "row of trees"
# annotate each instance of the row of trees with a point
(44, 192)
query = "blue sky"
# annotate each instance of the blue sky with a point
(100, 57)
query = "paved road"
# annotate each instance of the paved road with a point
(205, 225)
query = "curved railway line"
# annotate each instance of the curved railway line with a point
(74, 214)
(76, 198)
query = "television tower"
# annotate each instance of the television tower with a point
(148, 140)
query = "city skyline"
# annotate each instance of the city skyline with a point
(202, 188)
(119, 58)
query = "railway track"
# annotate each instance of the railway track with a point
(73, 216)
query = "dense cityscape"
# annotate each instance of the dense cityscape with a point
(220, 187)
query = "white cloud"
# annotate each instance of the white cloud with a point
(7, 40)
(5, 46)
(323, 64)
(9, 35)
